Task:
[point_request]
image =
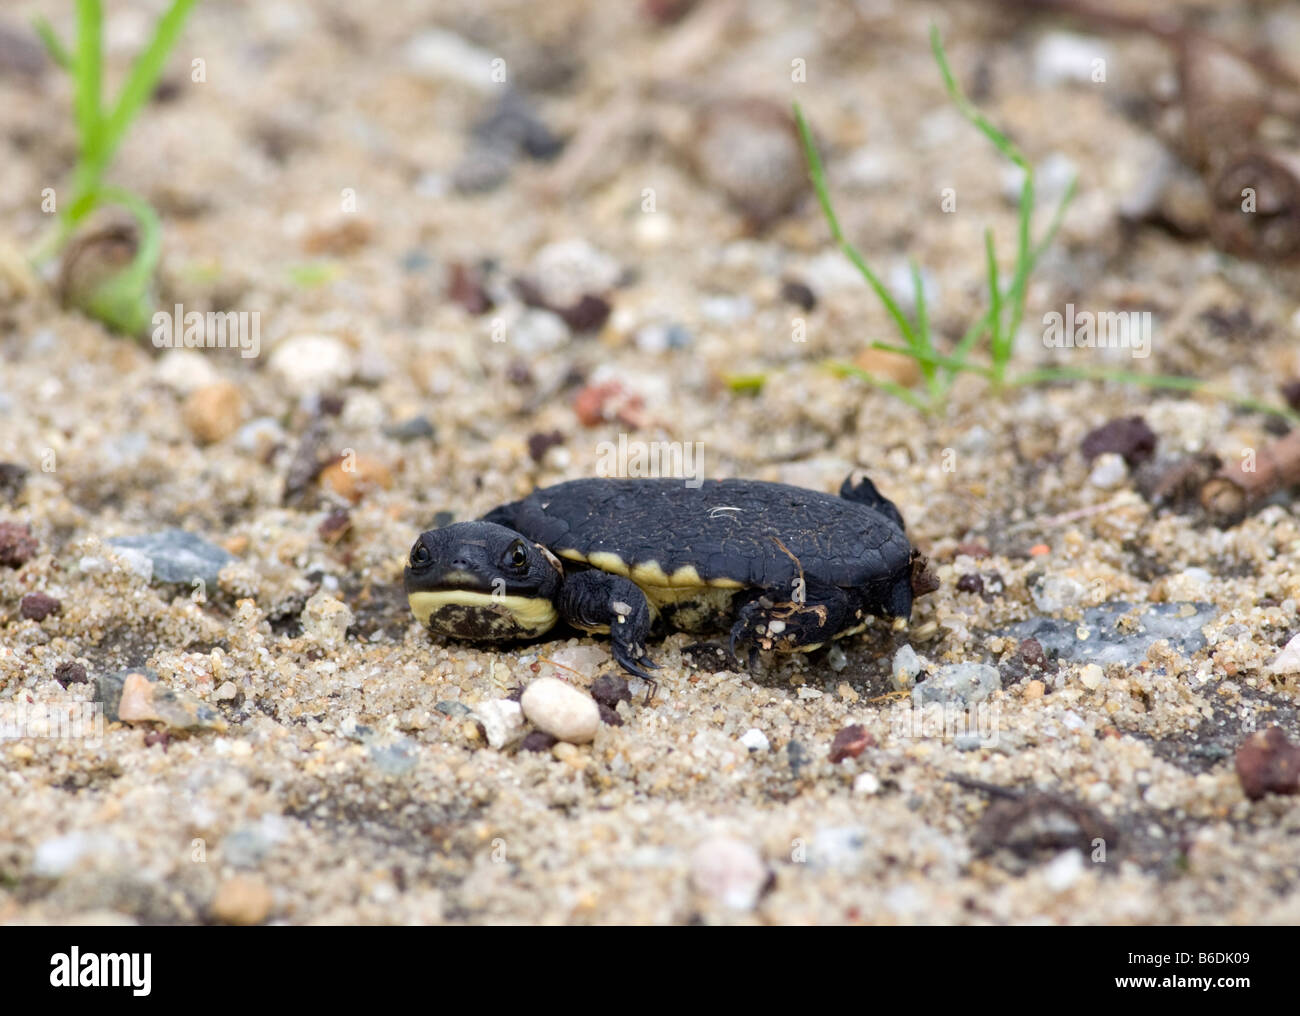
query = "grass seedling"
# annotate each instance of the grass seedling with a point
(1006, 306)
(122, 301)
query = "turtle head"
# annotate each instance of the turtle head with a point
(482, 582)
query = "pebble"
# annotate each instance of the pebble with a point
(37, 606)
(561, 710)
(260, 437)
(907, 665)
(242, 900)
(567, 270)
(755, 740)
(446, 56)
(55, 857)
(1067, 57)
(1108, 472)
(659, 337)
(866, 784)
(353, 477)
(1054, 593)
(963, 683)
(850, 742)
(413, 429)
(1268, 763)
(1288, 660)
(17, 545)
(185, 370)
(729, 872)
(176, 556)
(308, 364)
(136, 696)
(749, 149)
(1091, 676)
(1063, 871)
(1104, 643)
(213, 412)
(503, 722)
(226, 692)
(325, 620)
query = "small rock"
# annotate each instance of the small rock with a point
(503, 722)
(38, 606)
(185, 370)
(466, 288)
(453, 708)
(1034, 690)
(537, 740)
(325, 620)
(445, 56)
(13, 478)
(755, 740)
(907, 665)
(749, 149)
(334, 526)
(610, 689)
(729, 872)
(1091, 676)
(798, 293)
(1069, 58)
(242, 900)
(309, 364)
(177, 556)
(961, 683)
(1118, 632)
(415, 428)
(866, 784)
(541, 443)
(850, 742)
(567, 270)
(226, 692)
(70, 672)
(1109, 471)
(58, 855)
(970, 583)
(1288, 660)
(339, 233)
(1063, 871)
(213, 412)
(17, 545)
(1268, 763)
(352, 477)
(1129, 437)
(135, 696)
(796, 757)
(561, 710)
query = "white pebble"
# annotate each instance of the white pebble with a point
(755, 740)
(730, 872)
(1063, 871)
(1108, 472)
(503, 721)
(325, 620)
(1091, 676)
(313, 363)
(1288, 660)
(907, 665)
(866, 784)
(561, 710)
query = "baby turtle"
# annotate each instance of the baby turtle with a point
(779, 567)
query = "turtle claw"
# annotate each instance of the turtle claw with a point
(637, 667)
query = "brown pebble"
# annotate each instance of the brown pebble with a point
(1268, 763)
(1127, 436)
(465, 288)
(38, 606)
(798, 293)
(851, 742)
(70, 673)
(1031, 653)
(537, 740)
(541, 443)
(214, 411)
(589, 314)
(242, 900)
(970, 583)
(17, 545)
(608, 716)
(973, 549)
(610, 689)
(13, 478)
(1034, 690)
(352, 476)
(335, 525)
(157, 737)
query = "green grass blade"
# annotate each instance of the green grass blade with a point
(818, 177)
(53, 45)
(1057, 218)
(145, 72)
(88, 75)
(892, 387)
(964, 106)
(951, 363)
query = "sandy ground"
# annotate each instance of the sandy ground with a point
(339, 770)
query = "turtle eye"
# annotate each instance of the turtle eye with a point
(517, 555)
(419, 555)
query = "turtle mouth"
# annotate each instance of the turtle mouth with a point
(475, 616)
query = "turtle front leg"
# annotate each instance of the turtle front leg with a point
(785, 622)
(597, 601)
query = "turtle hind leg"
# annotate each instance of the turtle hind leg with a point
(597, 601)
(770, 621)
(864, 492)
